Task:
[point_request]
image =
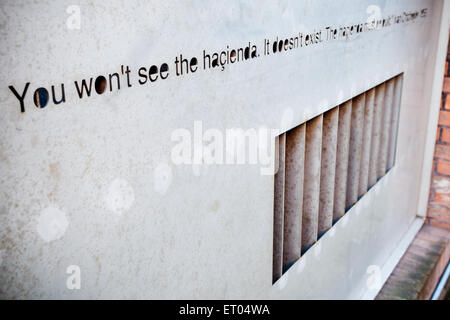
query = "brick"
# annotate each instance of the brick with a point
(443, 167)
(447, 103)
(432, 245)
(436, 232)
(442, 199)
(440, 184)
(444, 118)
(446, 87)
(420, 268)
(439, 213)
(436, 242)
(445, 135)
(442, 152)
(439, 224)
(439, 196)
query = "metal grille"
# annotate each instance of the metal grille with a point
(324, 166)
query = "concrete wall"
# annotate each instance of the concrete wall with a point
(89, 189)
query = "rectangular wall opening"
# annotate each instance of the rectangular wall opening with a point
(325, 165)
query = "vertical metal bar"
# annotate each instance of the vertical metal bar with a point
(376, 129)
(386, 128)
(343, 144)
(293, 195)
(395, 121)
(367, 140)
(328, 169)
(355, 150)
(279, 208)
(311, 185)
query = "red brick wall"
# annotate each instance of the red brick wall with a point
(439, 202)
